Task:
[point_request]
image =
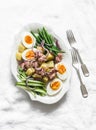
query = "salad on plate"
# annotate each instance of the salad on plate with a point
(40, 65)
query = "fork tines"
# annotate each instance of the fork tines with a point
(70, 36)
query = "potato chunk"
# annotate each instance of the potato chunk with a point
(50, 57)
(40, 49)
(37, 76)
(30, 71)
(18, 56)
(44, 66)
(21, 48)
(45, 79)
(50, 64)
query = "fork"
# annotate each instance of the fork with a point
(72, 42)
(75, 64)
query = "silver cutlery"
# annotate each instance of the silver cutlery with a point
(75, 64)
(72, 41)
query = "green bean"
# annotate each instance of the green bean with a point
(40, 38)
(40, 91)
(40, 34)
(20, 69)
(21, 72)
(35, 37)
(35, 81)
(21, 77)
(29, 84)
(31, 90)
(47, 36)
(44, 36)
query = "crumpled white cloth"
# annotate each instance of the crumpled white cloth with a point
(72, 112)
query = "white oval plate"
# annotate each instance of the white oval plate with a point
(67, 60)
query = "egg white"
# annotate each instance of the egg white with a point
(52, 92)
(61, 76)
(24, 54)
(24, 42)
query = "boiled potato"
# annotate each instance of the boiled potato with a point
(30, 71)
(44, 66)
(21, 48)
(40, 48)
(50, 64)
(37, 76)
(45, 79)
(50, 57)
(18, 56)
(48, 70)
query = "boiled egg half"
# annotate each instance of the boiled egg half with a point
(54, 87)
(28, 40)
(61, 71)
(28, 54)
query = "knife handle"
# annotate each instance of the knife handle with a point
(84, 70)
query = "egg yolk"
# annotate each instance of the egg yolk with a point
(55, 85)
(61, 69)
(30, 55)
(28, 39)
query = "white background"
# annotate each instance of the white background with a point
(73, 112)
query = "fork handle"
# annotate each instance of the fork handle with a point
(85, 70)
(82, 86)
(83, 66)
(84, 91)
